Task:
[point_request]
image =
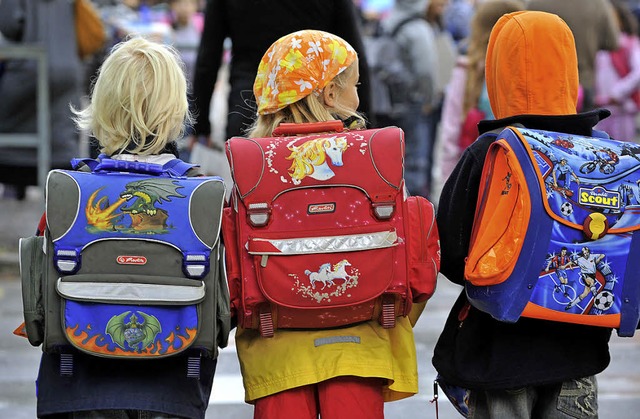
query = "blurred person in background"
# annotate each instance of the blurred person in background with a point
(417, 45)
(466, 101)
(187, 30)
(447, 54)
(594, 28)
(49, 23)
(252, 26)
(618, 78)
(457, 20)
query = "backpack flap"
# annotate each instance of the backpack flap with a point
(133, 255)
(581, 243)
(91, 208)
(273, 166)
(318, 223)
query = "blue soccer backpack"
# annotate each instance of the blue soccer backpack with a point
(555, 234)
(130, 265)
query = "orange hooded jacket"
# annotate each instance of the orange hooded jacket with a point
(540, 46)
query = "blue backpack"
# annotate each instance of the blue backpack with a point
(131, 264)
(555, 234)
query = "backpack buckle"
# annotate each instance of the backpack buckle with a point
(384, 210)
(195, 265)
(258, 214)
(67, 261)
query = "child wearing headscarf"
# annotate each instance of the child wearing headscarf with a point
(348, 372)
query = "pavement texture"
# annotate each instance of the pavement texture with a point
(619, 384)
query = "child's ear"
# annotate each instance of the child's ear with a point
(329, 94)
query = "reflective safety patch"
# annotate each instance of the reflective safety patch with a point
(336, 339)
(330, 244)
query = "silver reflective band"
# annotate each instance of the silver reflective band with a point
(119, 292)
(333, 244)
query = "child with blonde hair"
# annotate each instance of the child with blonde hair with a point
(138, 108)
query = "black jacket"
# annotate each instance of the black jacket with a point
(476, 351)
(252, 26)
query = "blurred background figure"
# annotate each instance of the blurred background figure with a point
(594, 28)
(49, 23)
(186, 22)
(466, 102)
(618, 78)
(252, 26)
(457, 20)
(447, 53)
(416, 46)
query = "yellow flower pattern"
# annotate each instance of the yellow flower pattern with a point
(297, 65)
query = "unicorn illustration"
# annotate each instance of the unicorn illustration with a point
(327, 273)
(310, 158)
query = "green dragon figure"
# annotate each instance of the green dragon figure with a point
(138, 335)
(149, 193)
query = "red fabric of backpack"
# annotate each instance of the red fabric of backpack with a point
(320, 233)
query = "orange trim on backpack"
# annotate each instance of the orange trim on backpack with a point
(503, 211)
(539, 312)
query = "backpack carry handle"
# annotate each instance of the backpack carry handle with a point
(174, 167)
(112, 165)
(288, 128)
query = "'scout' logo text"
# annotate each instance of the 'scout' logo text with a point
(600, 197)
(131, 260)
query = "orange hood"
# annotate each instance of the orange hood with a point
(531, 66)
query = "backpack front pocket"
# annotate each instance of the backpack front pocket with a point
(328, 271)
(130, 315)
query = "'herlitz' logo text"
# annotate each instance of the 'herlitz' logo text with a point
(600, 197)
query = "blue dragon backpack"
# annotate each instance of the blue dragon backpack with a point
(555, 233)
(130, 265)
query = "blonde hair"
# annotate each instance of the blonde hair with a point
(311, 108)
(485, 17)
(139, 99)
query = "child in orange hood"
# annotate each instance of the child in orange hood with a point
(532, 80)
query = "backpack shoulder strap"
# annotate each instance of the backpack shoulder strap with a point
(403, 22)
(177, 167)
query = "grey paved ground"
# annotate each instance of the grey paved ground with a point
(619, 384)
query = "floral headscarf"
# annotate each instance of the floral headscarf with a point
(297, 65)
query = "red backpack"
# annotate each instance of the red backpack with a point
(320, 232)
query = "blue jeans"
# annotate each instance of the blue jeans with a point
(571, 399)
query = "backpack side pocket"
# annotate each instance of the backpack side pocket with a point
(232, 259)
(423, 248)
(502, 217)
(222, 302)
(32, 263)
